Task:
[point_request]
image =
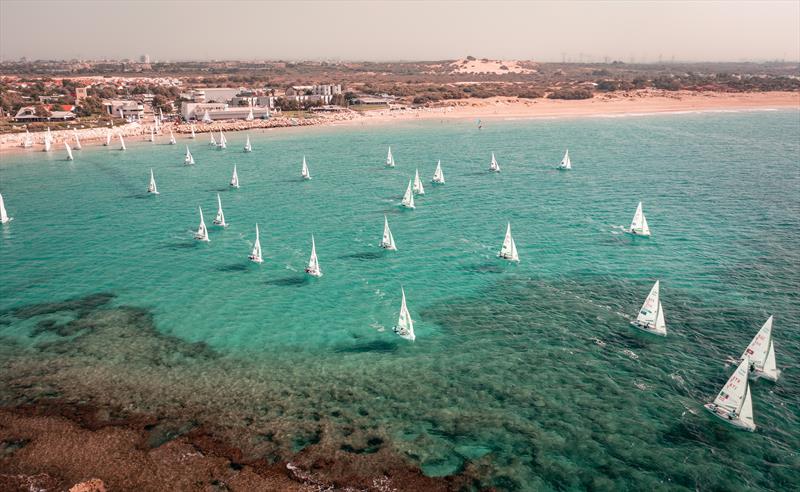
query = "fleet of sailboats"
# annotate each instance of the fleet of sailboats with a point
(565, 164)
(761, 354)
(304, 172)
(734, 403)
(493, 165)
(639, 223)
(152, 188)
(202, 230)
(509, 249)
(4, 218)
(418, 188)
(235, 178)
(405, 325)
(255, 255)
(408, 198)
(220, 218)
(438, 175)
(387, 241)
(651, 315)
(313, 268)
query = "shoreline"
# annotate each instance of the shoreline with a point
(630, 104)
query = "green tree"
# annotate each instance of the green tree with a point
(90, 106)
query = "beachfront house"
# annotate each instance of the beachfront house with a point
(130, 110)
(221, 111)
(27, 114)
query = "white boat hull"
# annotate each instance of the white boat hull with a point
(255, 260)
(313, 273)
(647, 329)
(724, 415)
(759, 374)
(637, 232)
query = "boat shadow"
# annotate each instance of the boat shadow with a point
(182, 245)
(296, 281)
(365, 255)
(379, 346)
(234, 267)
(493, 267)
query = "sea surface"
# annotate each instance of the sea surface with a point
(523, 376)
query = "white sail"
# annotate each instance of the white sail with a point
(77, 140)
(206, 117)
(172, 140)
(27, 142)
(565, 162)
(47, 142)
(418, 188)
(493, 165)
(108, 138)
(250, 116)
(235, 178)
(408, 198)
(639, 223)
(247, 146)
(761, 353)
(304, 172)
(152, 134)
(69, 151)
(223, 142)
(122, 143)
(4, 218)
(405, 325)
(438, 175)
(509, 249)
(734, 403)
(220, 218)
(255, 255)
(651, 315)
(313, 268)
(390, 158)
(152, 188)
(189, 159)
(193, 134)
(387, 242)
(202, 231)
(212, 141)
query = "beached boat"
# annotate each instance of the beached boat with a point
(566, 163)
(193, 134)
(220, 218)
(438, 175)
(152, 188)
(77, 140)
(639, 223)
(189, 159)
(223, 142)
(69, 152)
(405, 325)
(202, 230)
(304, 172)
(387, 242)
(408, 198)
(27, 142)
(390, 158)
(122, 143)
(313, 268)
(4, 218)
(493, 165)
(509, 249)
(734, 404)
(761, 353)
(651, 315)
(235, 178)
(255, 255)
(247, 146)
(108, 138)
(418, 188)
(172, 140)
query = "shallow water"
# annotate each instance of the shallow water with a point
(526, 376)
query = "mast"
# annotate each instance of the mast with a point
(405, 325)
(4, 218)
(304, 172)
(77, 140)
(151, 188)
(313, 268)
(255, 255)
(390, 158)
(408, 198)
(235, 178)
(387, 242)
(509, 249)
(418, 188)
(121, 142)
(202, 231)
(189, 159)
(493, 165)
(220, 218)
(438, 175)
(69, 151)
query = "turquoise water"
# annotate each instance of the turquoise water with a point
(523, 376)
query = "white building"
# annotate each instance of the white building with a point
(221, 111)
(131, 110)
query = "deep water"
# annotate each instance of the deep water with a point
(523, 376)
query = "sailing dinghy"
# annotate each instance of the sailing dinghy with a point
(108, 138)
(761, 353)
(172, 140)
(28, 141)
(235, 178)
(509, 249)
(202, 230)
(651, 315)
(390, 158)
(255, 255)
(408, 198)
(152, 138)
(438, 175)
(77, 140)
(193, 134)
(152, 188)
(405, 325)
(247, 146)
(223, 142)
(48, 141)
(212, 141)
(734, 404)
(639, 223)
(313, 263)
(304, 172)
(220, 218)
(565, 164)
(387, 242)
(189, 159)
(4, 218)
(493, 165)
(122, 143)
(69, 151)
(418, 188)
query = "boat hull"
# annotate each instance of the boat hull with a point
(647, 329)
(739, 424)
(633, 232)
(313, 273)
(255, 260)
(407, 336)
(758, 374)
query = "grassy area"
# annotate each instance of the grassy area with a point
(8, 126)
(369, 107)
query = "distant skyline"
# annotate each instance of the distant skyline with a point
(401, 30)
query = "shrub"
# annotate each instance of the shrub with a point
(577, 93)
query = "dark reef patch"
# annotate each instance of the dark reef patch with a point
(382, 346)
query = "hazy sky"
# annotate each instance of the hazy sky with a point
(400, 30)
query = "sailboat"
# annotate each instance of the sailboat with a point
(4, 218)
(172, 140)
(202, 230)
(27, 142)
(390, 158)
(152, 135)
(493, 165)
(651, 315)
(565, 164)
(304, 172)
(418, 188)
(405, 325)
(193, 134)
(122, 143)
(108, 138)
(438, 175)
(387, 242)
(639, 223)
(220, 218)
(152, 188)
(48, 141)
(223, 143)
(509, 249)
(250, 116)
(408, 198)
(235, 178)
(206, 117)
(761, 353)
(247, 146)
(212, 141)
(69, 152)
(188, 160)
(255, 255)
(734, 404)
(313, 263)
(77, 140)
